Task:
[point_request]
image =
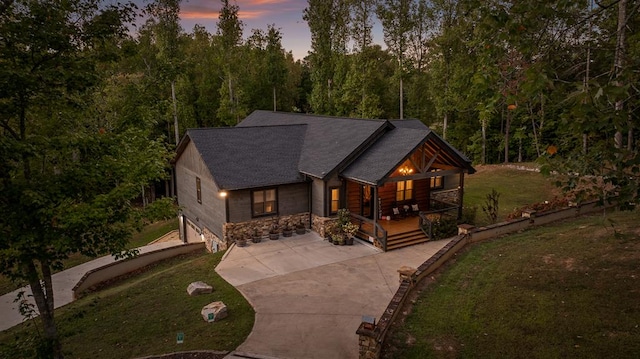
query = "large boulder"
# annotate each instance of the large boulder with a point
(196, 288)
(214, 311)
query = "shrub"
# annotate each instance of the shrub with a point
(444, 228)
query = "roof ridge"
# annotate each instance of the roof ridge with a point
(244, 127)
(324, 116)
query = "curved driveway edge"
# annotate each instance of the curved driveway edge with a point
(309, 296)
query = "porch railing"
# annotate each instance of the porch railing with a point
(425, 224)
(372, 229)
(437, 206)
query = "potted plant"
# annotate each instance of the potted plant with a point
(287, 230)
(256, 236)
(300, 229)
(336, 238)
(241, 240)
(350, 230)
(274, 230)
(329, 229)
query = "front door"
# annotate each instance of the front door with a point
(366, 200)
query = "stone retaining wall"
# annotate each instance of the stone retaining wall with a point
(125, 266)
(371, 338)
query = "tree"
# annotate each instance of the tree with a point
(276, 61)
(229, 36)
(328, 22)
(65, 180)
(167, 28)
(397, 23)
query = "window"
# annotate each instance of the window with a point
(264, 202)
(437, 182)
(404, 190)
(198, 190)
(335, 200)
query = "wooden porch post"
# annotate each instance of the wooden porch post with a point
(375, 209)
(460, 194)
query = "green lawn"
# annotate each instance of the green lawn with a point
(517, 189)
(143, 314)
(138, 239)
(568, 290)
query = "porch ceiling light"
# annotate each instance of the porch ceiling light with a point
(405, 170)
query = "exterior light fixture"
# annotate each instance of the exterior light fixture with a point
(405, 170)
(223, 194)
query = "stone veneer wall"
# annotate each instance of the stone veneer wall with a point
(210, 239)
(447, 196)
(232, 231)
(320, 224)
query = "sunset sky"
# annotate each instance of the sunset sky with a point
(255, 14)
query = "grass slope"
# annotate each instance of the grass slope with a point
(142, 315)
(517, 188)
(569, 290)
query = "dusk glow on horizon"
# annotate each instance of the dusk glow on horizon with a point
(255, 14)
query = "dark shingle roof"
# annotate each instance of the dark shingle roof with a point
(249, 157)
(385, 155)
(272, 148)
(330, 141)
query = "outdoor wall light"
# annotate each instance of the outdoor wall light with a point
(223, 194)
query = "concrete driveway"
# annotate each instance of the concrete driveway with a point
(309, 295)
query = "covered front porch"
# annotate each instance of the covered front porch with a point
(400, 223)
(396, 200)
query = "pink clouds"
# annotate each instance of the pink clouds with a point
(249, 9)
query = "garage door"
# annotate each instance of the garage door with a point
(192, 232)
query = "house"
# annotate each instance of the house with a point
(296, 168)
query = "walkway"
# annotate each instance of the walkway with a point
(309, 296)
(63, 283)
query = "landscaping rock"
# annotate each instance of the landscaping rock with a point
(214, 312)
(196, 288)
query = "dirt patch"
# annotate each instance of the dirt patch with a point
(446, 346)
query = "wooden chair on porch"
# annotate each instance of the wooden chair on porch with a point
(414, 210)
(398, 213)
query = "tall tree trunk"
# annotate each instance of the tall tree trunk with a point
(619, 62)
(483, 158)
(274, 99)
(44, 301)
(535, 132)
(586, 77)
(401, 99)
(175, 112)
(444, 125)
(506, 137)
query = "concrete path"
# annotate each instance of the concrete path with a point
(63, 283)
(309, 296)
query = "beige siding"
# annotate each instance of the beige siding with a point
(211, 212)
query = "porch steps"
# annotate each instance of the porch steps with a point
(400, 240)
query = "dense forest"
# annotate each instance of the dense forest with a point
(503, 81)
(91, 107)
